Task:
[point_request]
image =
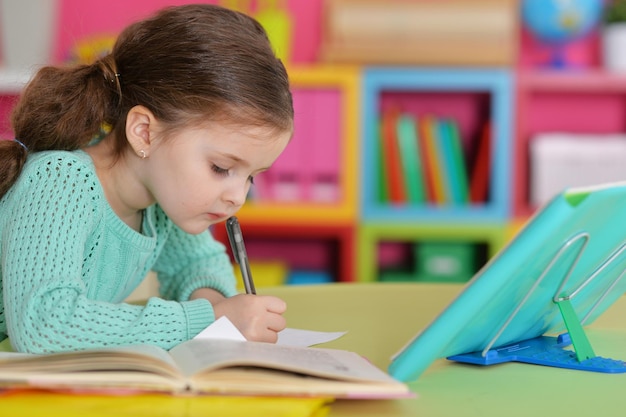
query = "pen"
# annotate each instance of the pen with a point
(239, 252)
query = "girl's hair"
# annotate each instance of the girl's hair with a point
(186, 64)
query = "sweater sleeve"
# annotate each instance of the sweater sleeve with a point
(189, 262)
(46, 241)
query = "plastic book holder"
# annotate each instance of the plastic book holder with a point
(548, 350)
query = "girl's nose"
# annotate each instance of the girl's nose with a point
(237, 193)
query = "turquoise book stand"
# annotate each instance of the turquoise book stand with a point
(530, 303)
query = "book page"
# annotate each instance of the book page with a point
(140, 358)
(197, 356)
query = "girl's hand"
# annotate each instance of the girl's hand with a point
(258, 317)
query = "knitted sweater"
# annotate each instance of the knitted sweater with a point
(67, 262)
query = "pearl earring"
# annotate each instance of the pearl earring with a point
(142, 153)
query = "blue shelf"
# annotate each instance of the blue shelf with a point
(496, 83)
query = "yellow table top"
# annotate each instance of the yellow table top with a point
(380, 318)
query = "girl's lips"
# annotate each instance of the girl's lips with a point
(217, 216)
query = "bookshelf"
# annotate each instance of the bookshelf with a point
(333, 210)
(592, 101)
(472, 97)
(315, 207)
(483, 239)
(469, 96)
(340, 144)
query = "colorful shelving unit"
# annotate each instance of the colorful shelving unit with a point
(310, 253)
(322, 196)
(372, 235)
(322, 154)
(590, 101)
(308, 199)
(472, 97)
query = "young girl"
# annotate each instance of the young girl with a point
(195, 104)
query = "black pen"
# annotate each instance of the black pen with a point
(239, 252)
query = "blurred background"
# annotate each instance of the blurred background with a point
(427, 131)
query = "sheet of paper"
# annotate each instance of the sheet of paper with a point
(223, 328)
(298, 337)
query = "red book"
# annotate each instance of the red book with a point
(479, 181)
(393, 161)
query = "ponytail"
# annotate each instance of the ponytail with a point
(187, 64)
(62, 108)
(12, 159)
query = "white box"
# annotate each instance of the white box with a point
(561, 160)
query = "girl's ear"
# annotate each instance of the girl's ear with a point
(140, 130)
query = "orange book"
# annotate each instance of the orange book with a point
(435, 168)
(479, 180)
(393, 161)
(429, 185)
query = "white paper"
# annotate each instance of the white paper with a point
(298, 337)
(223, 328)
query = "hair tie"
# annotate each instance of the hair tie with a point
(21, 144)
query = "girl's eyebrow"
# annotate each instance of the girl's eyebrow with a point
(238, 160)
(233, 158)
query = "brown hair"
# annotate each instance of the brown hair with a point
(187, 64)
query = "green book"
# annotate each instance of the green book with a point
(383, 192)
(411, 159)
(454, 162)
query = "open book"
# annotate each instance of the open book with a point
(205, 367)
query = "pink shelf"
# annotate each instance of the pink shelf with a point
(571, 81)
(590, 101)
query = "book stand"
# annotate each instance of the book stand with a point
(548, 350)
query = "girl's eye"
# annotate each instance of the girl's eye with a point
(251, 179)
(219, 170)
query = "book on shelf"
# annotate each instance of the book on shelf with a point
(480, 173)
(393, 161)
(203, 366)
(428, 168)
(382, 177)
(410, 159)
(432, 153)
(453, 158)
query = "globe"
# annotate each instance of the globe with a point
(559, 22)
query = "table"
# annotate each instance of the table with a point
(380, 318)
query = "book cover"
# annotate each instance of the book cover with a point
(479, 179)
(433, 155)
(454, 158)
(427, 165)
(381, 160)
(411, 159)
(393, 162)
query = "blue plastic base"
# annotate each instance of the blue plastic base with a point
(543, 350)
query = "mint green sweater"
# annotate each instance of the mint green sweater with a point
(67, 262)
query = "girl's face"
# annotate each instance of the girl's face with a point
(202, 175)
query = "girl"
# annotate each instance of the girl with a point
(196, 105)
